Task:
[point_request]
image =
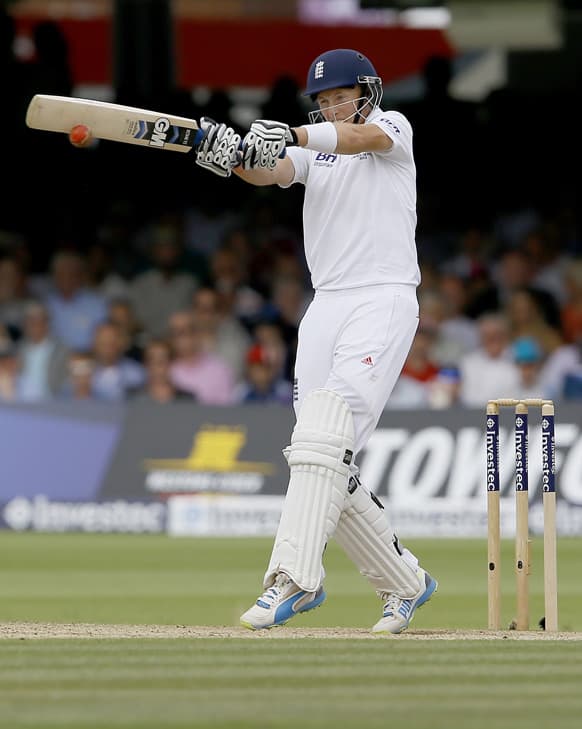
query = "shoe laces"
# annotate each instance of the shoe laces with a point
(391, 603)
(272, 593)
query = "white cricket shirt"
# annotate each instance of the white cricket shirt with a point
(359, 213)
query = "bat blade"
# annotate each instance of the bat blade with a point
(113, 122)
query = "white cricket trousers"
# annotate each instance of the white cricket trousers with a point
(355, 342)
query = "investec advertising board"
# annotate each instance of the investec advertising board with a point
(201, 471)
(54, 460)
(429, 469)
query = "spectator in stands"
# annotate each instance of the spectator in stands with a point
(456, 325)
(121, 313)
(527, 318)
(290, 263)
(263, 383)
(439, 393)
(412, 389)
(408, 394)
(274, 242)
(544, 246)
(8, 367)
(229, 278)
(204, 374)
(158, 386)
(14, 294)
(238, 241)
(219, 106)
(419, 364)
(473, 255)
(445, 389)
(489, 372)
(529, 357)
(515, 272)
(74, 310)
(286, 307)
(208, 227)
(222, 332)
(115, 235)
(269, 336)
(511, 225)
(114, 374)
(572, 389)
(290, 301)
(79, 382)
(102, 278)
(165, 287)
(562, 372)
(449, 344)
(285, 102)
(571, 312)
(42, 359)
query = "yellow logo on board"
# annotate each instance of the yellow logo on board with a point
(215, 451)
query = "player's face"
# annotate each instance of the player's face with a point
(340, 105)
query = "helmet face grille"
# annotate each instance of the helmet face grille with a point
(360, 107)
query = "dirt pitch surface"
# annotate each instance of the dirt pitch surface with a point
(27, 631)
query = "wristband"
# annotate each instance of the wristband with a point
(321, 137)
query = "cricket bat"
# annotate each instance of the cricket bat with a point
(114, 122)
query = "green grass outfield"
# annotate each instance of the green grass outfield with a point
(314, 678)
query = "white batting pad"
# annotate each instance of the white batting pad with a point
(319, 459)
(365, 533)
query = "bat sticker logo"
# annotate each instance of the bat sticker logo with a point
(159, 134)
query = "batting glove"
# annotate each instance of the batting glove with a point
(218, 150)
(264, 143)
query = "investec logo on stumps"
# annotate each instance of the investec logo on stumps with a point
(521, 453)
(159, 134)
(548, 455)
(492, 455)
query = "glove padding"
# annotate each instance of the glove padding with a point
(218, 151)
(264, 143)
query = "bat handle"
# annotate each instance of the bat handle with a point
(200, 134)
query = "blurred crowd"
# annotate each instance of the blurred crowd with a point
(172, 331)
(512, 328)
(132, 274)
(221, 327)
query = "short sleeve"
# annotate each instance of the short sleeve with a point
(398, 128)
(301, 159)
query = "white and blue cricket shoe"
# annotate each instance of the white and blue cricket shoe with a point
(279, 603)
(398, 611)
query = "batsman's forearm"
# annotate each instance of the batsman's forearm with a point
(301, 134)
(258, 176)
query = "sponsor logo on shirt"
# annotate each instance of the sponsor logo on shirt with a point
(323, 159)
(390, 124)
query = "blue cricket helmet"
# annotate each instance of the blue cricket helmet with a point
(341, 68)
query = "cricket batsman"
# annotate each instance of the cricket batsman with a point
(356, 163)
